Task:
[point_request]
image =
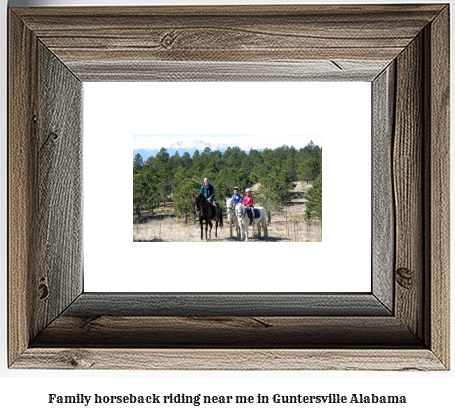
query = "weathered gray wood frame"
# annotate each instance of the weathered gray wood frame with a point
(403, 50)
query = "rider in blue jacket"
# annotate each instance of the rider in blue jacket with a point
(236, 198)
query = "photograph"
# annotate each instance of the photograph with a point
(229, 107)
(227, 187)
(274, 151)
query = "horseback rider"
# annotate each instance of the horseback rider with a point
(209, 192)
(236, 198)
(248, 202)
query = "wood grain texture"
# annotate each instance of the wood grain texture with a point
(383, 215)
(45, 162)
(308, 71)
(438, 212)
(228, 34)
(215, 305)
(257, 332)
(59, 186)
(22, 95)
(232, 43)
(229, 359)
(408, 193)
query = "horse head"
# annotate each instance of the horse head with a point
(200, 201)
(230, 209)
(228, 205)
(197, 199)
(239, 210)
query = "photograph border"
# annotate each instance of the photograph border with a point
(403, 324)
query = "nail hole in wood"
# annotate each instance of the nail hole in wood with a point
(167, 40)
(53, 137)
(405, 278)
(43, 291)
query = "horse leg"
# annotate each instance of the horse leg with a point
(206, 226)
(216, 229)
(259, 230)
(209, 220)
(230, 227)
(202, 234)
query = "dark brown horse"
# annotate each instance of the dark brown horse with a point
(206, 212)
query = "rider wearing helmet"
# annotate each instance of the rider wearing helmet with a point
(248, 202)
(236, 198)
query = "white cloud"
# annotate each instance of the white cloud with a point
(219, 141)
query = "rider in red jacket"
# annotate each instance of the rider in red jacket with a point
(248, 202)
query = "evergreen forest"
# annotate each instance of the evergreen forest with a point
(165, 179)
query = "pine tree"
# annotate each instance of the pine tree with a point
(314, 197)
(186, 160)
(309, 169)
(140, 193)
(183, 198)
(138, 162)
(164, 184)
(274, 191)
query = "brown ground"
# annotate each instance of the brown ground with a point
(163, 226)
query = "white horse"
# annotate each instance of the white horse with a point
(232, 217)
(244, 220)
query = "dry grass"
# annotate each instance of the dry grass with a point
(163, 226)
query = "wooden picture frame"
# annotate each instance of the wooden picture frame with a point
(403, 324)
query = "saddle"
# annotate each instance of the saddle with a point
(257, 213)
(213, 210)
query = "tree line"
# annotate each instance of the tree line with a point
(164, 178)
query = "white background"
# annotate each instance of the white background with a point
(26, 391)
(340, 112)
